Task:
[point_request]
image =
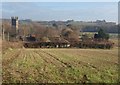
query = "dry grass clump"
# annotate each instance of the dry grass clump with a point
(115, 41)
(11, 45)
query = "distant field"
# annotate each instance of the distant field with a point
(60, 65)
(112, 35)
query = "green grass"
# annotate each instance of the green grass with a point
(91, 34)
(60, 65)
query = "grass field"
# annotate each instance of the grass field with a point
(111, 35)
(60, 66)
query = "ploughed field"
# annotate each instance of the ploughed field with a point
(60, 66)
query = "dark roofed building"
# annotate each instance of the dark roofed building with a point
(51, 42)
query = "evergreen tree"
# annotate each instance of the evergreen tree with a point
(102, 35)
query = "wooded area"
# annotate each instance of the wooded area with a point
(60, 34)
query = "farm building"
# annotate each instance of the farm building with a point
(59, 42)
(53, 42)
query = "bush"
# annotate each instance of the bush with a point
(101, 35)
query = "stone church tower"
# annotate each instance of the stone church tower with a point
(14, 26)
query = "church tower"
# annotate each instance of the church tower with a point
(14, 26)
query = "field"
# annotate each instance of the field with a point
(60, 65)
(111, 35)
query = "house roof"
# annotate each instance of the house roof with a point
(58, 40)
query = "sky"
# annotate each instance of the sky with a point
(59, 0)
(119, 13)
(45, 11)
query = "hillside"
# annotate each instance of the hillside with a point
(94, 26)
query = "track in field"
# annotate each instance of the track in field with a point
(60, 65)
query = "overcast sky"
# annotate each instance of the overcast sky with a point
(81, 11)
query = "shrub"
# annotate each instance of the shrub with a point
(101, 35)
(6, 45)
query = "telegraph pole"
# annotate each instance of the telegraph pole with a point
(3, 31)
